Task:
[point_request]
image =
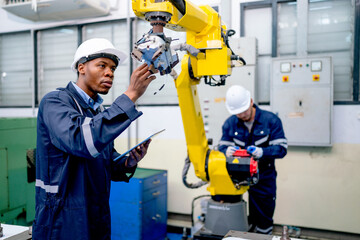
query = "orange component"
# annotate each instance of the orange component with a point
(285, 78)
(316, 77)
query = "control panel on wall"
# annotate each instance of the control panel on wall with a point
(302, 96)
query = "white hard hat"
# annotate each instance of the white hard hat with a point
(238, 99)
(95, 48)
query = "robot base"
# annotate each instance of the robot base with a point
(221, 218)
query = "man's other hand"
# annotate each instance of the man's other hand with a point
(139, 81)
(137, 154)
(256, 152)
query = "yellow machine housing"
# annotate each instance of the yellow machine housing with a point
(205, 32)
(203, 29)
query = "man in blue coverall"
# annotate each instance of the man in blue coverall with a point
(75, 150)
(261, 133)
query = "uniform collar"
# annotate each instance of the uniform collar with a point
(87, 99)
(257, 113)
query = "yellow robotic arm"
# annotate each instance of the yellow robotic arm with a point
(203, 28)
(207, 36)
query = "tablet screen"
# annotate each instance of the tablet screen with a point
(151, 136)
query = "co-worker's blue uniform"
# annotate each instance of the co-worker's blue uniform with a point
(74, 165)
(267, 133)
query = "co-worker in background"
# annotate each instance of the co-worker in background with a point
(261, 133)
(75, 149)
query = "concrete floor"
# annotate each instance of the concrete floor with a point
(177, 222)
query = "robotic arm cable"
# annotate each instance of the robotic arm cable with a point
(184, 176)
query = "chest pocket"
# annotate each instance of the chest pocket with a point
(261, 137)
(239, 137)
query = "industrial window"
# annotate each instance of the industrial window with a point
(331, 33)
(16, 64)
(118, 34)
(264, 36)
(286, 29)
(330, 29)
(168, 94)
(56, 48)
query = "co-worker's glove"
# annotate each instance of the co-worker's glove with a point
(137, 154)
(256, 152)
(230, 151)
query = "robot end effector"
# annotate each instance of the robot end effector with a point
(154, 47)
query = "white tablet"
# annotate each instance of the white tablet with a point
(151, 136)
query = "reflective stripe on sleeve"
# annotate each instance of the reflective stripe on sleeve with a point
(226, 143)
(238, 142)
(262, 140)
(280, 141)
(284, 145)
(88, 138)
(77, 104)
(47, 188)
(264, 231)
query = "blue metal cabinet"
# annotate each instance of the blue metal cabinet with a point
(139, 208)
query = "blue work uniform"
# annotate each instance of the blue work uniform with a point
(74, 164)
(267, 133)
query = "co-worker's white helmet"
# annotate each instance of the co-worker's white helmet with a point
(238, 99)
(95, 48)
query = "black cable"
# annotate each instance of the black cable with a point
(184, 176)
(228, 34)
(192, 207)
(180, 5)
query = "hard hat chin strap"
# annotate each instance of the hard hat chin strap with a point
(99, 55)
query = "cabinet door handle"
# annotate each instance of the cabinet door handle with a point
(156, 182)
(156, 193)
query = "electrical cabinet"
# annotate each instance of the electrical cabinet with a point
(302, 96)
(139, 208)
